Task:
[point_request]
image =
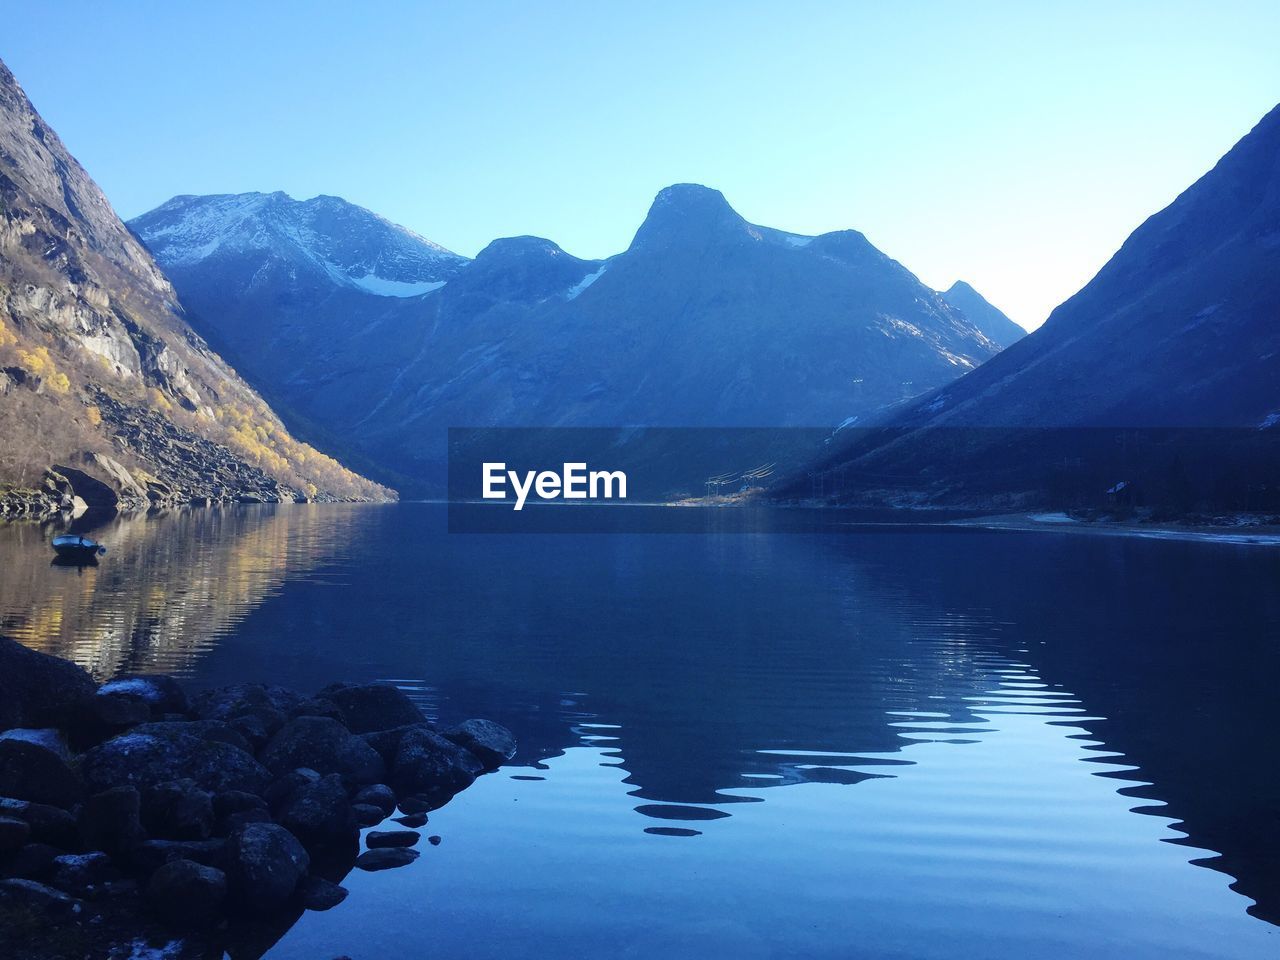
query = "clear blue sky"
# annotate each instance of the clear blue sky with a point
(1014, 145)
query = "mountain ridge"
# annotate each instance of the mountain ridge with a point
(1177, 332)
(100, 374)
(705, 319)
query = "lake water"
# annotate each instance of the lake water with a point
(823, 741)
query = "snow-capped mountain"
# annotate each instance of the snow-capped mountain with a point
(705, 320)
(324, 239)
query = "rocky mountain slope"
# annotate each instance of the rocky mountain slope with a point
(987, 318)
(705, 320)
(1180, 332)
(100, 375)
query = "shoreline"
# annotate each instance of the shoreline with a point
(137, 819)
(1245, 533)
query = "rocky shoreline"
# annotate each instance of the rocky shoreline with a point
(138, 820)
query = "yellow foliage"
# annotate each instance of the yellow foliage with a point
(159, 400)
(7, 336)
(93, 414)
(59, 382)
(37, 361)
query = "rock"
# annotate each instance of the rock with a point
(413, 820)
(152, 854)
(78, 873)
(434, 840)
(316, 893)
(31, 895)
(323, 745)
(391, 838)
(256, 729)
(49, 738)
(491, 742)
(203, 729)
(316, 707)
(386, 858)
(100, 718)
(178, 810)
(110, 820)
(366, 814)
(187, 893)
(237, 801)
(235, 808)
(33, 862)
(146, 760)
(417, 805)
(265, 863)
(281, 790)
(367, 707)
(30, 769)
(48, 824)
(387, 742)
(13, 833)
(378, 795)
(225, 826)
(269, 705)
(319, 813)
(163, 694)
(37, 690)
(428, 764)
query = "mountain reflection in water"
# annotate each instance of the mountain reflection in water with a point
(964, 724)
(169, 585)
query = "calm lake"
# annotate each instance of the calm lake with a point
(823, 741)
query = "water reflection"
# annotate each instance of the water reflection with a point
(170, 585)
(964, 724)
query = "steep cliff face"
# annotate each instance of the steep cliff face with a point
(100, 373)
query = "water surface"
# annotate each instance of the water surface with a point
(835, 742)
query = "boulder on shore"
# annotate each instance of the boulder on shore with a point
(491, 742)
(37, 690)
(324, 745)
(369, 707)
(187, 893)
(428, 764)
(147, 760)
(34, 767)
(265, 863)
(319, 813)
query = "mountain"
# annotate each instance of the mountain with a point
(705, 320)
(100, 374)
(1178, 334)
(285, 242)
(990, 320)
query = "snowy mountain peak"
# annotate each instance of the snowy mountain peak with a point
(325, 235)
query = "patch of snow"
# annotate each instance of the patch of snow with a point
(1270, 420)
(936, 405)
(396, 288)
(796, 240)
(1118, 487)
(1051, 518)
(585, 282)
(133, 687)
(847, 422)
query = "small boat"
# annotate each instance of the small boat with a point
(71, 546)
